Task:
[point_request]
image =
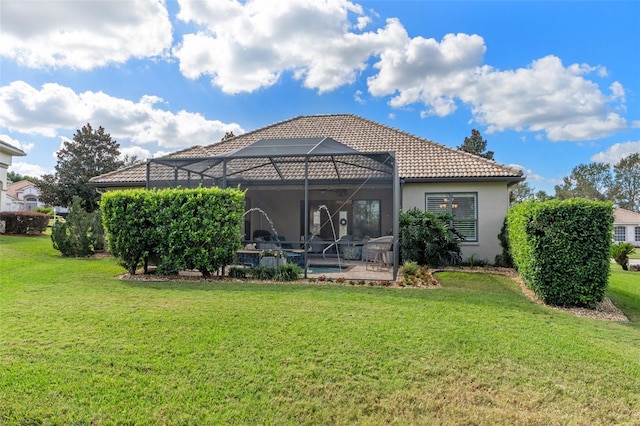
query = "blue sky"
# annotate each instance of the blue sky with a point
(550, 84)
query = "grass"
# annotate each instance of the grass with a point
(79, 346)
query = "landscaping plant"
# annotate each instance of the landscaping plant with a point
(620, 253)
(24, 222)
(429, 239)
(561, 249)
(80, 234)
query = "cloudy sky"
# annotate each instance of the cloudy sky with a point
(549, 84)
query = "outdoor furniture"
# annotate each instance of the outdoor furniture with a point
(376, 252)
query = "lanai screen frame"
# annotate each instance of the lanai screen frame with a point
(271, 162)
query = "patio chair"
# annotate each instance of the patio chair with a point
(376, 252)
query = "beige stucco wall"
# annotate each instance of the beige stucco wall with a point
(493, 203)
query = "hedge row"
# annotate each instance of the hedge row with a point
(561, 249)
(181, 228)
(24, 222)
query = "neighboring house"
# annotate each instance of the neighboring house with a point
(626, 226)
(7, 152)
(22, 195)
(359, 172)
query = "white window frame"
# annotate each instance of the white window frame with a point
(637, 233)
(450, 202)
(620, 233)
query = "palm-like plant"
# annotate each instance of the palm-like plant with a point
(620, 253)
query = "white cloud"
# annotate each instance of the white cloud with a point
(543, 97)
(135, 151)
(26, 169)
(82, 34)
(55, 108)
(26, 147)
(243, 47)
(617, 152)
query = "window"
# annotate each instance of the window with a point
(366, 218)
(637, 233)
(463, 207)
(619, 233)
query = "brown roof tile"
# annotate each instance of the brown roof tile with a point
(417, 158)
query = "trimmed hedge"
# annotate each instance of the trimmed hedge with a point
(25, 222)
(129, 219)
(561, 249)
(184, 228)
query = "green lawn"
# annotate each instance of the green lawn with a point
(79, 346)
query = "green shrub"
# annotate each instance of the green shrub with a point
(287, 272)
(45, 210)
(184, 228)
(409, 267)
(200, 228)
(25, 222)
(262, 273)
(237, 272)
(561, 249)
(75, 236)
(429, 239)
(504, 260)
(132, 233)
(620, 253)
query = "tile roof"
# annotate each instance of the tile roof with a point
(14, 188)
(417, 158)
(626, 216)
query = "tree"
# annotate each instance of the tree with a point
(626, 183)
(16, 177)
(542, 196)
(90, 153)
(591, 181)
(476, 145)
(520, 192)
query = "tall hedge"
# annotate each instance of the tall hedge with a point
(200, 228)
(185, 229)
(132, 231)
(561, 249)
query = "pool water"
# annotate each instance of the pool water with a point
(326, 269)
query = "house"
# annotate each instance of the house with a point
(22, 196)
(340, 176)
(7, 152)
(626, 226)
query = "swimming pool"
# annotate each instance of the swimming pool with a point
(326, 269)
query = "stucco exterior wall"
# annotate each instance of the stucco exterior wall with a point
(493, 203)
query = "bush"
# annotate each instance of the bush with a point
(429, 239)
(620, 253)
(561, 249)
(132, 234)
(409, 267)
(25, 222)
(185, 228)
(45, 210)
(237, 272)
(76, 236)
(262, 273)
(504, 260)
(287, 272)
